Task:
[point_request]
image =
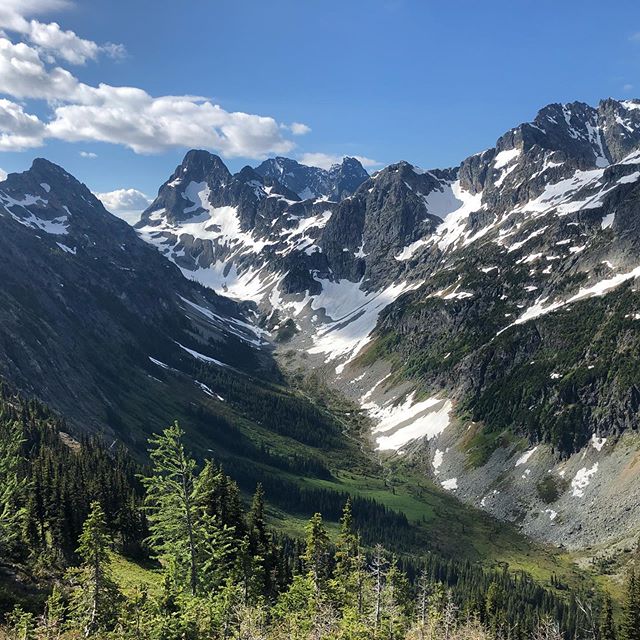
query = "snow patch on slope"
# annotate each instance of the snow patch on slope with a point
(401, 423)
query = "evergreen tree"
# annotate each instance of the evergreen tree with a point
(214, 539)
(21, 624)
(12, 487)
(397, 602)
(96, 597)
(257, 560)
(494, 608)
(347, 553)
(170, 505)
(316, 555)
(607, 627)
(630, 626)
(54, 614)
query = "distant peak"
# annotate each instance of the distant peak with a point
(42, 166)
(200, 165)
(247, 174)
(351, 161)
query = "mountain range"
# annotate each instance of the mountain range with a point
(478, 324)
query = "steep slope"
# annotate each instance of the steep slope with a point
(94, 319)
(527, 325)
(99, 325)
(322, 269)
(470, 311)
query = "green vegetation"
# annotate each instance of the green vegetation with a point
(550, 489)
(555, 379)
(221, 573)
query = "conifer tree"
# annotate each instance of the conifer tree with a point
(258, 561)
(96, 597)
(214, 539)
(607, 627)
(397, 601)
(630, 626)
(316, 555)
(21, 624)
(12, 487)
(54, 614)
(347, 552)
(257, 524)
(170, 505)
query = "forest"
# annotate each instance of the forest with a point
(94, 544)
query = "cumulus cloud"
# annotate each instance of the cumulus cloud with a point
(3, 175)
(127, 204)
(50, 38)
(299, 128)
(124, 200)
(13, 13)
(88, 154)
(67, 45)
(127, 116)
(130, 116)
(327, 160)
(23, 74)
(18, 130)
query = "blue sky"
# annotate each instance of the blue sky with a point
(429, 82)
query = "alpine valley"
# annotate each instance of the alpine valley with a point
(455, 348)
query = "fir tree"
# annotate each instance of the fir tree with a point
(12, 487)
(316, 555)
(347, 550)
(170, 505)
(258, 560)
(96, 597)
(630, 626)
(607, 627)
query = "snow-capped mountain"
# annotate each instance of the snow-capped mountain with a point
(338, 182)
(485, 317)
(93, 319)
(456, 305)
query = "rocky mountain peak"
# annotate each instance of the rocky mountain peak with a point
(200, 165)
(336, 183)
(48, 199)
(46, 179)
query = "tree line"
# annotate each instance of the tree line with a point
(66, 507)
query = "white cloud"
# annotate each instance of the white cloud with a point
(327, 160)
(13, 12)
(130, 116)
(627, 88)
(124, 200)
(67, 45)
(3, 175)
(126, 116)
(23, 74)
(635, 37)
(127, 204)
(88, 154)
(18, 130)
(299, 129)
(50, 38)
